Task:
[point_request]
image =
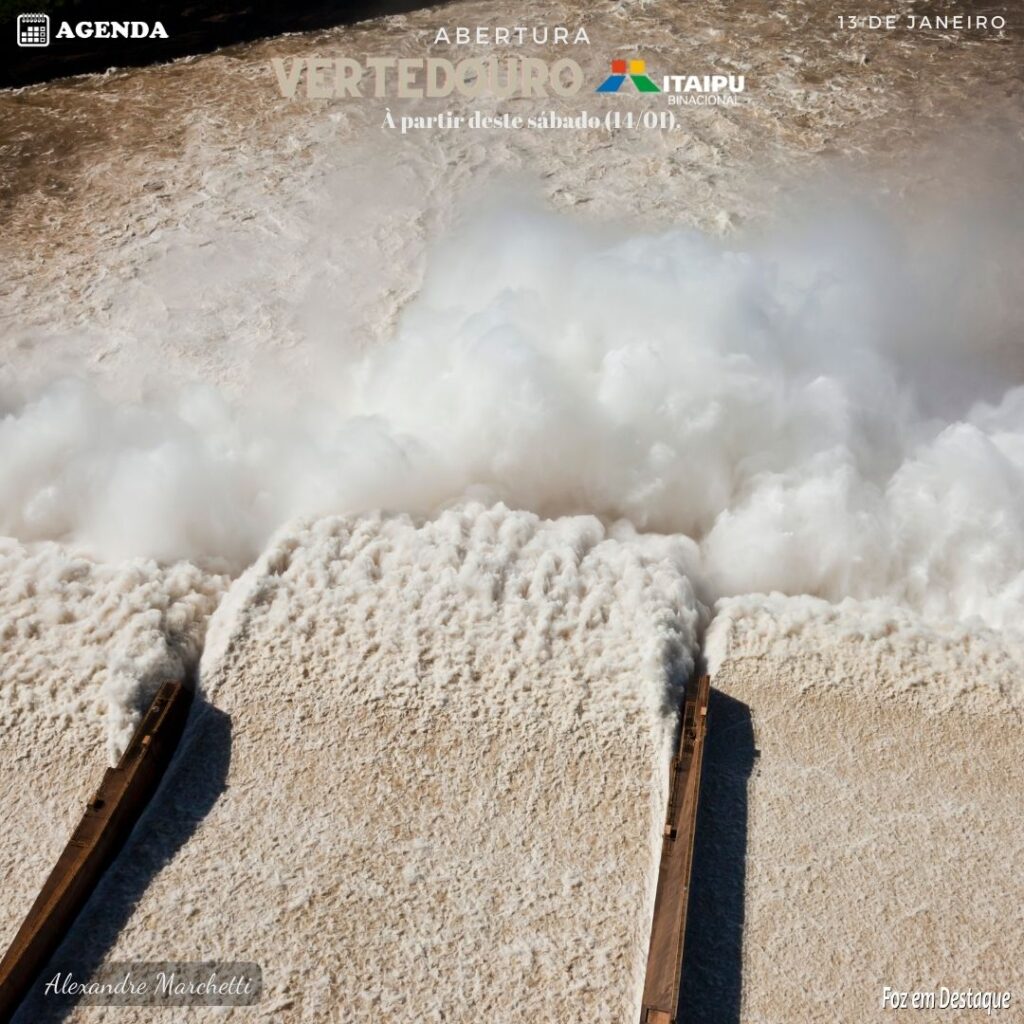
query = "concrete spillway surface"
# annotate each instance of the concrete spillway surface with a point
(446, 773)
(862, 826)
(83, 646)
(827, 400)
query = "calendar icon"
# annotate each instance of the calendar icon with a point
(33, 30)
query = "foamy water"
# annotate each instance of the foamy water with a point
(223, 311)
(833, 409)
(781, 351)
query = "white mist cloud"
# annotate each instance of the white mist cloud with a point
(836, 411)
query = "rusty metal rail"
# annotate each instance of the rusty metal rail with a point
(126, 789)
(108, 819)
(665, 954)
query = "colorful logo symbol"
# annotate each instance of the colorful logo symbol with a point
(637, 72)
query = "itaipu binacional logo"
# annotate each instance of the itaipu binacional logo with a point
(679, 90)
(635, 70)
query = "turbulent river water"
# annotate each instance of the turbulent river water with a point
(779, 349)
(790, 330)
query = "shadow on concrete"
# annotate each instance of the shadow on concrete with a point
(191, 786)
(712, 981)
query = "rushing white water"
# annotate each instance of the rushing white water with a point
(224, 310)
(836, 410)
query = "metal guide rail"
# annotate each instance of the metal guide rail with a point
(108, 819)
(665, 954)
